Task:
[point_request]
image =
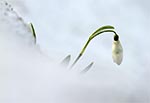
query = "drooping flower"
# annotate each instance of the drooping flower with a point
(117, 50)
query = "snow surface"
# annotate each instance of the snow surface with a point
(30, 73)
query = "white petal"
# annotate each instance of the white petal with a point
(117, 52)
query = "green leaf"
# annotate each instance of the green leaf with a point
(103, 28)
(33, 31)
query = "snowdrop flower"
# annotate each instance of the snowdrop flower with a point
(117, 50)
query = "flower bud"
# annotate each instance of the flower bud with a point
(117, 51)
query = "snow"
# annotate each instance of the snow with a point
(31, 73)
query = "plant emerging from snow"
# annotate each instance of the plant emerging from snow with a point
(117, 50)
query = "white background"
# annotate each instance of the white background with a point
(29, 74)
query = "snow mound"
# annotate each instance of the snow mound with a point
(12, 23)
(29, 76)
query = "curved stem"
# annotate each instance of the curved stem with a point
(90, 38)
(94, 35)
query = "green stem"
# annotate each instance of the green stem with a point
(96, 33)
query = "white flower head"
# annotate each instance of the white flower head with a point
(117, 50)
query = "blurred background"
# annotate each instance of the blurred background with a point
(63, 27)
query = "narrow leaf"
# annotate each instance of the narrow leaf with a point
(103, 28)
(33, 31)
